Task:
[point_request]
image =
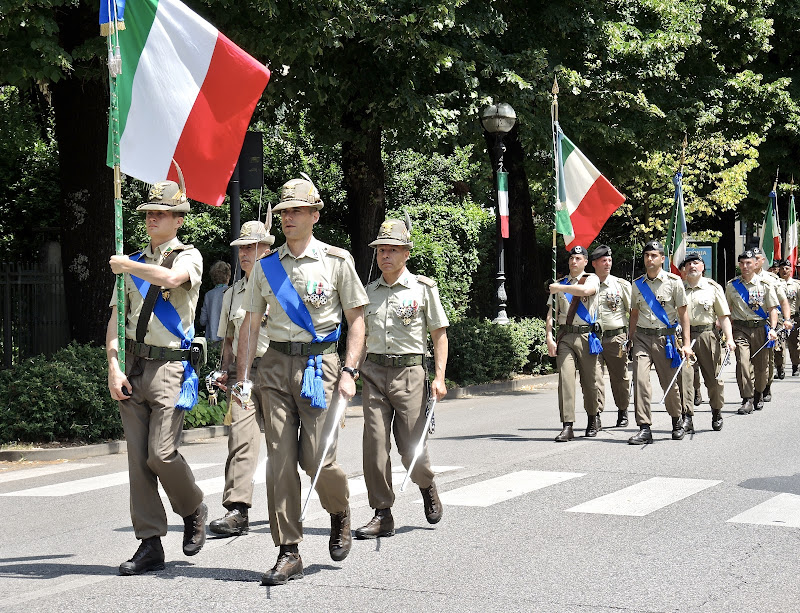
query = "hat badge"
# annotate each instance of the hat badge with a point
(156, 192)
(386, 229)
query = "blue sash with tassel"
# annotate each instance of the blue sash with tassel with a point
(166, 313)
(595, 345)
(671, 349)
(295, 308)
(745, 295)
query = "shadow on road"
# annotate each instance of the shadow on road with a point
(782, 484)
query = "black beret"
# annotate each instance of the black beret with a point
(747, 255)
(578, 250)
(784, 263)
(757, 251)
(601, 251)
(692, 257)
(654, 246)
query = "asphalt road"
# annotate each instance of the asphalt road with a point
(529, 525)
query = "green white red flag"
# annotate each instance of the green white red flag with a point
(771, 234)
(791, 235)
(185, 92)
(586, 199)
(502, 202)
(677, 238)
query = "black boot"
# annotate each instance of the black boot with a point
(380, 525)
(341, 539)
(289, 566)
(698, 398)
(766, 396)
(758, 401)
(566, 433)
(716, 420)
(642, 437)
(149, 556)
(598, 424)
(432, 504)
(591, 426)
(234, 523)
(795, 370)
(194, 530)
(622, 419)
(747, 406)
(688, 424)
(779, 372)
(677, 428)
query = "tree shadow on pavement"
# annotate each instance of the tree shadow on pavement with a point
(782, 484)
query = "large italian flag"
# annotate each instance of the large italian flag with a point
(585, 197)
(791, 236)
(186, 92)
(771, 237)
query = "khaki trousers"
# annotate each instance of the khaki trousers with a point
(394, 400)
(244, 445)
(751, 373)
(153, 428)
(617, 373)
(709, 357)
(649, 351)
(573, 355)
(296, 433)
(790, 346)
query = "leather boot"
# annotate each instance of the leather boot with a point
(591, 426)
(598, 424)
(795, 370)
(194, 530)
(380, 525)
(766, 396)
(688, 424)
(234, 523)
(642, 437)
(566, 433)
(432, 504)
(341, 539)
(622, 419)
(758, 401)
(149, 556)
(779, 372)
(289, 566)
(716, 420)
(698, 398)
(747, 406)
(677, 428)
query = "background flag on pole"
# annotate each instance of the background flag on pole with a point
(791, 235)
(677, 239)
(585, 197)
(186, 92)
(771, 237)
(502, 202)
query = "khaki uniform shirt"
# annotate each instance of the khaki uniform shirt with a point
(590, 302)
(706, 302)
(183, 298)
(614, 302)
(777, 283)
(792, 289)
(399, 316)
(322, 275)
(761, 293)
(668, 290)
(232, 316)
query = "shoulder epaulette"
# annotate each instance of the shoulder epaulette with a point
(426, 281)
(714, 283)
(672, 275)
(637, 278)
(339, 253)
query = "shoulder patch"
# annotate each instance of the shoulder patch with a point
(426, 281)
(337, 252)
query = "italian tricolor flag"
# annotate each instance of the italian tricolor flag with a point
(585, 197)
(185, 92)
(791, 236)
(771, 238)
(677, 238)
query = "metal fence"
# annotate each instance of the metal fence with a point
(33, 318)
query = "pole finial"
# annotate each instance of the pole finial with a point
(555, 86)
(775, 184)
(683, 150)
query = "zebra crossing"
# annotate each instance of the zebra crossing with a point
(638, 500)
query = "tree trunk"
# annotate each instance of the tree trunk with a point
(87, 226)
(364, 183)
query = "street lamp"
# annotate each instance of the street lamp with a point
(498, 120)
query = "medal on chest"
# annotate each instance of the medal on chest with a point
(791, 292)
(706, 304)
(756, 298)
(318, 293)
(407, 311)
(613, 299)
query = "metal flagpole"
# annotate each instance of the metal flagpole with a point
(554, 121)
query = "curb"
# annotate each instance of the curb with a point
(196, 434)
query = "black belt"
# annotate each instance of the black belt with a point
(148, 352)
(614, 332)
(303, 348)
(408, 359)
(656, 331)
(749, 323)
(703, 328)
(576, 329)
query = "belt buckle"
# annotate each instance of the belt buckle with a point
(295, 348)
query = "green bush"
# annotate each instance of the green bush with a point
(203, 414)
(481, 351)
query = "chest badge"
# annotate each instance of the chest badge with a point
(407, 311)
(318, 293)
(613, 299)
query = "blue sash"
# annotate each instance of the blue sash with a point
(166, 313)
(745, 295)
(595, 346)
(295, 308)
(670, 350)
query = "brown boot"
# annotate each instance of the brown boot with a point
(341, 539)
(432, 504)
(380, 525)
(566, 434)
(194, 530)
(289, 566)
(591, 426)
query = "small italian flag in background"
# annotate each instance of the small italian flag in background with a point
(771, 239)
(791, 235)
(185, 92)
(502, 202)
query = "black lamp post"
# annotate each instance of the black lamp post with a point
(498, 120)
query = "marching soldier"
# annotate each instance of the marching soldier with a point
(244, 437)
(792, 342)
(706, 304)
(402, 309)
(658, 321)
(754, 311)
(162, 286)
(577, 345)
(306, 284)
(614, 305)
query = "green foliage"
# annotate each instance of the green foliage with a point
(481, 351)
(203, 414)
(63, 398)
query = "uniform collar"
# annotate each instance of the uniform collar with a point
(313, 251)
(171, 244)
(661, 276)
(240, 285)
(608, 280)
(702, 283)
(405, 280)
(572, 280)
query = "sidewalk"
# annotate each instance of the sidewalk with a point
(354, 409)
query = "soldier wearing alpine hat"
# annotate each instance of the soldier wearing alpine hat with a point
(578, 345)
(754, 311)
(162, 285)
(403, 308)
(307, 286)
(659, 322)
(792, 342)
(614, 304)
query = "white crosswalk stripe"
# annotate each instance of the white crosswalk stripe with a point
(645, 497)
(781, 510)
(359, 486)
(42, 471)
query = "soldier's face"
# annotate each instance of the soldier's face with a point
(162, 225)
(602, 266)
(785, 271)
(748, 266)
(298, 223)
(653, 260)
(248, 254)
(695, 268)
(392, 258)
(577, 263)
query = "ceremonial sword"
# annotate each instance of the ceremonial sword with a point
(764, 345)
(421, 444)
(677, 372)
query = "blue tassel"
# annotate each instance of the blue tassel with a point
(189, 388)
(770, 344)
(595, 346)
(308, 379)
(672, 353)
(318, 401)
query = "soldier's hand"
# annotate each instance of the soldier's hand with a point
(552, 348)
(222, 382)
(554, 288)
(730, 345)
(438, 389)
(347, 386)
(687, 352)
(788, 324)
(117, 263)
(118, 384)
(773, 336)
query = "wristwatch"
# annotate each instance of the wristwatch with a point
(353, 372)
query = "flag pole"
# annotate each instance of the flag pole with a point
(554, 118)
(671, 233)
